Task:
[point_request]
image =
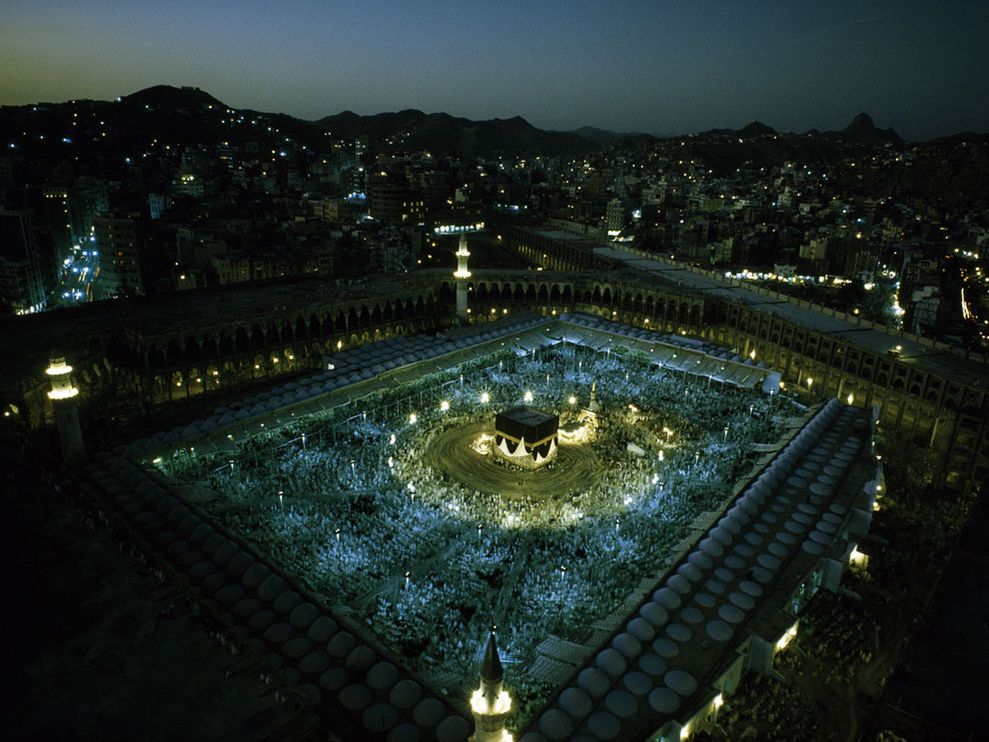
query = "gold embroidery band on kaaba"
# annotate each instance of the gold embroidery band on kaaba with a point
(537, 444)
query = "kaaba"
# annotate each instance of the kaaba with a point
(526, 436)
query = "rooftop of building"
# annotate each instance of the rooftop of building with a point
(938, 360)
(528, 417)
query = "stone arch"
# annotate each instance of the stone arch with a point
(226, 344)
(210, 349)
(242, 341)
(271, 336)
(174, 353)
(446, 293)
(192, 349)
(156, 358)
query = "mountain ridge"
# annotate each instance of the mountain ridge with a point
(196, 115)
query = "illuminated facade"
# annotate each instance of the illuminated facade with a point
(526, 437)
(65, 403)
(490, 703)
(462, 274)
(119, 243)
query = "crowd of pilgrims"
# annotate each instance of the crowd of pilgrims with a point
(346, 501)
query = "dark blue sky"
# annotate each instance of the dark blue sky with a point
(666, 67)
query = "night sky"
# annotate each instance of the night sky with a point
(655, 66)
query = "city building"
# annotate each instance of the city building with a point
(120, 243)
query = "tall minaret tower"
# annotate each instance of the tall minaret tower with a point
(490, 703)
(65, 401)
(462, 274)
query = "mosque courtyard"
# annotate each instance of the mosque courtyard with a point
(392, 508)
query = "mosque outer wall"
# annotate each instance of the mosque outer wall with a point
(140, 373)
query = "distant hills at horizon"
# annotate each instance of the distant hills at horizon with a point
(451, 135)
(861, 130)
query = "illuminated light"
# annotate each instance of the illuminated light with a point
(572, 399)
(485, 397)
(413, 418)
(685, 732)
(784, 641)
(444, 406)
(156, 460)
(527, 397)
(339, 344)
(858, 559)
(59, 368)
(851, 399)
(63, 393)
(719, 701)
(479, 704)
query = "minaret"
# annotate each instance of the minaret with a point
(462, 274)
(490, 703)
(65, 402)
